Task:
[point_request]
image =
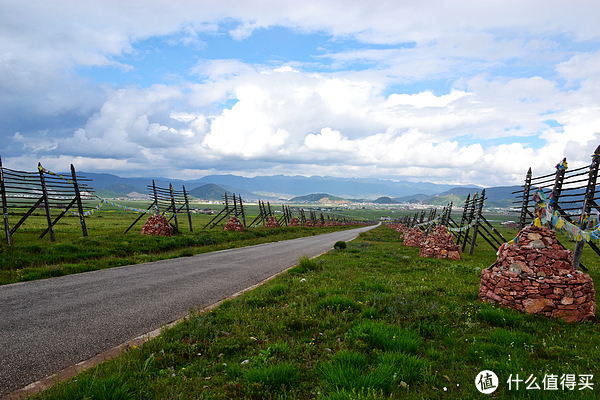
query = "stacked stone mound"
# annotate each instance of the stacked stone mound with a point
(294, 222)
(319, 224)
(157, 225)
(536, 276)
(272, 222)
(414, 237)
(329, 223)
(400, 228)
(234, 224)
(309, 223)
(440, 244)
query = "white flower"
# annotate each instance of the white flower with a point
(302, 280)
(245, 362)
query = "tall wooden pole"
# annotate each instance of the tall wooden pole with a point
(242, 209)
(173, 206)
(587, 204)
(156, 207)
(79, 204)
(469, 220)
(4, 205)
(46, 203)
(463, 218)
(525, 202)
(187, 208)
(477, 219)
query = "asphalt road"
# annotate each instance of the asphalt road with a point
(52, 324)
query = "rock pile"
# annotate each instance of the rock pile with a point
(319, 224)
(414, 237)
(400, 228)
(157, 225)
(294, 222)
(440, 244)
(234, 224)
(272, 222)
(309, 223)
(536, 275)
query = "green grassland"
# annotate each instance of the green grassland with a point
(30, 257)
(371, 321)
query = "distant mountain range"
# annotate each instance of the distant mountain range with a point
(295, 188)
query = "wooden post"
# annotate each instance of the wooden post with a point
(469, 220)
(156, 207)
(524, 204)
(173, 207)
(463, 218)
(587, 204)
(477, 218)
(4, 206)
(79, 204)
(242, 210)
(187, 208)
(235, 210)
(284, 215)
(558, 181)
(46, 204)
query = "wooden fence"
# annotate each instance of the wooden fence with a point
(30, 191)
(571, 195)
(45, 190)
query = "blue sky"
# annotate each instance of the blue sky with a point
(464, 93)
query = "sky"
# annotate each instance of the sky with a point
(455, 92)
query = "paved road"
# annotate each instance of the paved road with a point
(52, 324)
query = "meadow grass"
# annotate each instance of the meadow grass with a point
(31, 258)
(372, 321)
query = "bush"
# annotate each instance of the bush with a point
(339, 245)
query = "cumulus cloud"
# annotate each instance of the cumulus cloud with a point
(352, 111)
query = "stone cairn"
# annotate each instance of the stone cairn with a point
(157, 225)
(234, 224)
(536, 275)
(440, 244)
(272, 222)
(400, 228)
(319, 224)
(414, 237)
(309, 223)
(294, 222)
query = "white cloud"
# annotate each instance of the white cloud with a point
(358, 121)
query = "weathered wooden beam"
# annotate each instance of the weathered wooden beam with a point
(4, 206)
(477, 218)
(187, 208)
(469, 220)
(587, 203)
(173, 207)
(79, 203)
(46, 203)
(242, 210)
(525, 200)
